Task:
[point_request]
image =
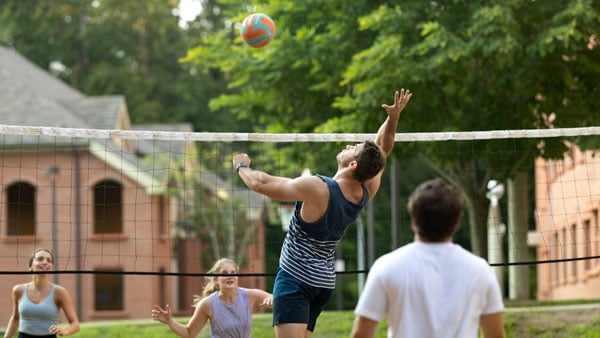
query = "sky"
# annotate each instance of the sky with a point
(188, 9)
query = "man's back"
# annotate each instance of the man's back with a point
(430, 290)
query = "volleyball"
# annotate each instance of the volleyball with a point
(258, 30)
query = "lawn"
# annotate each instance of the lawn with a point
(331, 324)
(336, 324)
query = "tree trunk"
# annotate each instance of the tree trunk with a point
(518, 211)
(476, 215)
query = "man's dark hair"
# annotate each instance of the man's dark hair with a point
(370, 161)
(436, 208)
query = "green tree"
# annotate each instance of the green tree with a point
(484, 67)
(207, 211)
(474, 66)
(125, 48)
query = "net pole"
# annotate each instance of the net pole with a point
(360, 255)
(394, 203)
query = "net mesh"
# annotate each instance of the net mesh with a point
(160, 202)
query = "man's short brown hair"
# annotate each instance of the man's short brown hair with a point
(436, 209)
(370, 161)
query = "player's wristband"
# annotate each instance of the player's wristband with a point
(240, 165)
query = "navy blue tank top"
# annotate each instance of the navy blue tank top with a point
(308, 251)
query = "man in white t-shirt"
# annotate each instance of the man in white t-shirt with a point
(431, 287)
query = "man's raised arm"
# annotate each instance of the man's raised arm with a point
(387, 131)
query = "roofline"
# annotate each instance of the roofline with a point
(127, 168)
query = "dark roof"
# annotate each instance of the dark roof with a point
(31, 96)
(99, 112)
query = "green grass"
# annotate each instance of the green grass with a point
(337, 324)
(331, 324)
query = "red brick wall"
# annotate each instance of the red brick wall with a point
(568, 198)
(138, 248)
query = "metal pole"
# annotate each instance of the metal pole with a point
(54, 230)
(394, 203)
(339, 283)
(360, 255)
(496, 230)
(518, 215)
(77, 207)
(371, 232)
(52, 172)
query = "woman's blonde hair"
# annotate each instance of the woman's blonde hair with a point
(210, 283)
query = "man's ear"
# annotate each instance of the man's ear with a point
(413, 226)
(352, 165)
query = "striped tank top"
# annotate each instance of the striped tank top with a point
(231, 320)
(35, 319)
(309, 248)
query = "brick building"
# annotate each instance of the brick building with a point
(102, 205)
(567, 203)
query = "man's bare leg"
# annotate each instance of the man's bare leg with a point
(291, 331)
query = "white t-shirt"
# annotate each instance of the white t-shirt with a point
(430, 290)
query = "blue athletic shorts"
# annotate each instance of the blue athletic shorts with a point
(297, 302)
(26, 335)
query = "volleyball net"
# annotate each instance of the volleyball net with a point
(169, 203)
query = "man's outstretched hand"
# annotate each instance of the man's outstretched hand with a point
(401, 98)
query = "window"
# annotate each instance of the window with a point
(587, 244)
(596, 250)
(162, 205)
(563, 255)
(108, 208)
(162, 285)
(554, 256)
(108, 292)
(573, 250)
(21, 209)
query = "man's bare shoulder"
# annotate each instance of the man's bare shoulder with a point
(315, 198)
(312, 186)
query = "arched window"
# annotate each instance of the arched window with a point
(108, 207)
(21, 209)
